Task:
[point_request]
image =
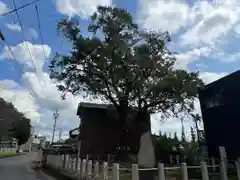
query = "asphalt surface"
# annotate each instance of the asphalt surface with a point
(19, 168)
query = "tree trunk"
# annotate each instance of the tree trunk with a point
(122, 125)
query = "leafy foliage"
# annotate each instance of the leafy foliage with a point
(165, 145)
(17, 125)
(124, 65)
(22, 129)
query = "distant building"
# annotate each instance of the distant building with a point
(42, 141)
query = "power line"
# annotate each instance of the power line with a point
(21, 7)
(40, 32)
(34, 67)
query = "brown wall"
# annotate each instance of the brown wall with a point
(99, 132)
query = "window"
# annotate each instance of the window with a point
(214, 101)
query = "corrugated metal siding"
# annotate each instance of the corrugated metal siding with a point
(222, 120)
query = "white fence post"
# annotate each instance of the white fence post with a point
(177, 159)
(161, 171)
(74, 161)
(83, 169)
(70, 164)
(115, 171)
(78, 165)
(89, 169)
(223, 171)
(213, 162)
(105, 171)
(62, 162)
(55, 161)
(204, 170)
(223, 163)
(135, 172)
(237, 163)
(184, 171)
(79, 168)
(66, 161)
(96, 170)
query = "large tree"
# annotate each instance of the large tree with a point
(14, 123)
(124, 65)
(21, 129)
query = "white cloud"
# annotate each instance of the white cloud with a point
(201, 25)
(82, 8)
(32, 33)
(213, 26)
(14, 27)
(183, 59)
(213, 23)
(163, 15)
(8, 84)
(237, 29)
(3, 8)
(209, 77)
(234, 57)
(201, 65)
(49, 96)
(28, 54)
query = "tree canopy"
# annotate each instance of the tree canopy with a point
(123, 64)
(16, 124)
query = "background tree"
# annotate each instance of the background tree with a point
(21, 129)
(124, 65)
(14, 123)
(193, 136)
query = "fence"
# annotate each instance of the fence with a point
(87, 169)
(8, 149)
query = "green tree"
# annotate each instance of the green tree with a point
(124, 65)
(193, 136)
(17, 125)
(21, 129)
(196, 119)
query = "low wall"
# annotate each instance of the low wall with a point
(8, 149)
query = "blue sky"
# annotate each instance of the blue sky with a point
(205, 34)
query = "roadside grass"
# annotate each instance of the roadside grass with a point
(7, 154)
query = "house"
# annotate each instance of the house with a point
(99, 131)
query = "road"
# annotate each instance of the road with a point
(18, 168)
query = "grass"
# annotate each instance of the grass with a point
(7, 154)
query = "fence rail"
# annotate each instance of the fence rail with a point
(87, 169)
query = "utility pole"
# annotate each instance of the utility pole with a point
(60, 134)
(55, 117)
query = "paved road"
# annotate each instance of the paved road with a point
(18, 168)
